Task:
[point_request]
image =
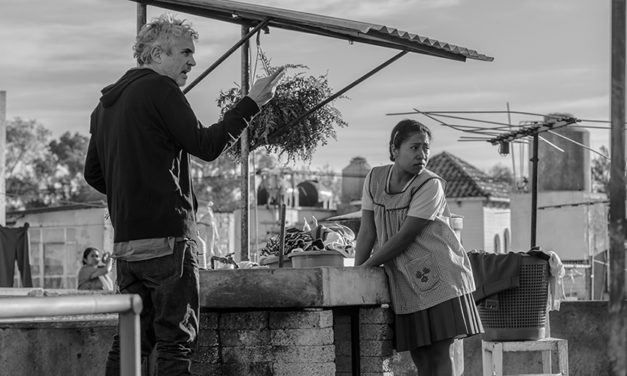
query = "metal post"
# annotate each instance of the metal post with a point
(141, 16)
(130, 344)
(534, 190)
(3, 145)
(245, 77)
(228, 53)
(616, 343)
(282, 233)
(332, 97)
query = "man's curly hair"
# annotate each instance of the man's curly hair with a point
(160, 32)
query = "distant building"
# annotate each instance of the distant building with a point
(58, 237)
(483, 203)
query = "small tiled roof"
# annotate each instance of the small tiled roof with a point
(464, 180)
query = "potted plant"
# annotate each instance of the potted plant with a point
(272, 128)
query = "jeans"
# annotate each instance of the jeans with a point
(169, 288)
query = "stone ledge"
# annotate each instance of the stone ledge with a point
(321, 287)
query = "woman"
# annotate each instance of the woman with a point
(94, 275)
(405, 219)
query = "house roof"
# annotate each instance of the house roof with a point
(353, 31)
(464, 180)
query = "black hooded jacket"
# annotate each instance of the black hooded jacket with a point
(142, 133)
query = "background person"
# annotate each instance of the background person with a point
(405, 220)
(143, 132)
(94, 274)
(208, 232)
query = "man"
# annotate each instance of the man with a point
(143, 131)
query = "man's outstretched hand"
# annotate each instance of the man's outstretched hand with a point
(263, 89)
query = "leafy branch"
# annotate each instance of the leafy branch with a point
(295, 95)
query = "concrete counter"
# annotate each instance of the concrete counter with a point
(320, 287)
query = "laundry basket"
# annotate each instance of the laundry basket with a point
(521, 312)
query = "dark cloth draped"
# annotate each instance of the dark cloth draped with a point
(14, 245)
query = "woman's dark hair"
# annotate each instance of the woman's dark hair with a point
(87, 251)
(403, 130)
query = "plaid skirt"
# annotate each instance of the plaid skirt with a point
(453, 319)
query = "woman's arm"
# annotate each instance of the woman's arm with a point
(398, 243)
(365, 238)
(104, 269)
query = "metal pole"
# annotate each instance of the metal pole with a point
(141, 16)
(616, 343)
(245, 77)
(340, 92)
(130, 344)
(509, 121)
(534, 190)
(228, 53)
(3, 145)
(282, 233)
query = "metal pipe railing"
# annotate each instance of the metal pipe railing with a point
(128, 306)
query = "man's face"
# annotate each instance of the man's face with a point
(179, 62)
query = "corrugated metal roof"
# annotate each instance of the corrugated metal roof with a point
(244, 13)
(464, 180)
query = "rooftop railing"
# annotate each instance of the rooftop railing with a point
(128, 306)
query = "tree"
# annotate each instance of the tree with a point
(601, 172)
(28, 165)
(69, 152)
(502, 174)
(40, 172)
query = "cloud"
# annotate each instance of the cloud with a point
(61, 53)
(360, 10)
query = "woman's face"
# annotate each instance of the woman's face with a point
(412, 155)
(93, 258)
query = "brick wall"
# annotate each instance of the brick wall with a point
(263, 343)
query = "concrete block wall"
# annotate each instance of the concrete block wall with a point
(263, 343)
(375, 341)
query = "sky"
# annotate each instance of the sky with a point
(549, 56)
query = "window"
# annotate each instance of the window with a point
(497, 244)
(54, 257)
(506, 244)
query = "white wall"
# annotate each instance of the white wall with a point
(472, 211)
(496, 221)
(572, 231)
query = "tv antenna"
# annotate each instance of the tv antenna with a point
(504, 135)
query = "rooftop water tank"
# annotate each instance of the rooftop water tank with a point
(353, 177)
(311, 193)
(568, 170)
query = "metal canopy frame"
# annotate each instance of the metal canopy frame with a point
(262, 17)
(250, 14)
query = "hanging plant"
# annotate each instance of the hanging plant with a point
(272, 128)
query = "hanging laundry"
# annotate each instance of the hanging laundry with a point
(14, 246)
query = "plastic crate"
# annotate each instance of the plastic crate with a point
(522, 311)
(310, 259)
